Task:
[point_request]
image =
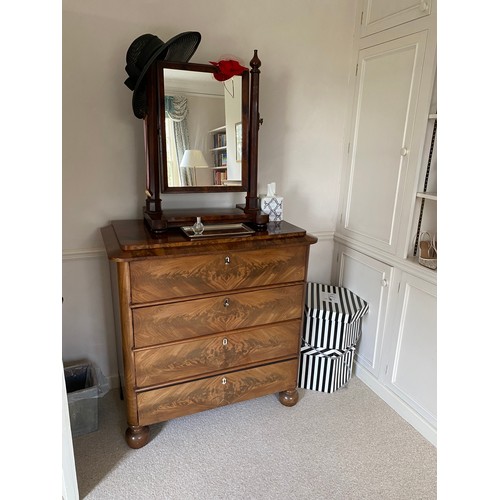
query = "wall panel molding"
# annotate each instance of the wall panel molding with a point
(323, 235)
(84, 253)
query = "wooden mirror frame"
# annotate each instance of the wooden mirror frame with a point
(158, 220)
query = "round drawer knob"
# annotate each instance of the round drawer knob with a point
(227, 260)
(226, 302)
(403, 152)
(224, 341)
(224, 380)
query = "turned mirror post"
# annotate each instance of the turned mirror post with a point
(152, 148)
(252, 200)
(158, 219)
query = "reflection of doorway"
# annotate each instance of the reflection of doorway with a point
(239, 141)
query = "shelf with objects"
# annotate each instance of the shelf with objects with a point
(424, 246)
(219, 155)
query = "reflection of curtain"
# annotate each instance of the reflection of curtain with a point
(176, 108)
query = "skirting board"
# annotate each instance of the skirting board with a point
(399, 406)
(114, 381)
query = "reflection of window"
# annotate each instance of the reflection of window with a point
(173, 175)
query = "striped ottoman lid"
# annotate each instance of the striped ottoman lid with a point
(333, 303)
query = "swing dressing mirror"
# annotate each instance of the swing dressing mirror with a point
(213, 151)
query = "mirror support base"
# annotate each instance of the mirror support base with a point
(155, 222)
(259, 218)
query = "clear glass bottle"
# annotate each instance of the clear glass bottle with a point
(198, 226)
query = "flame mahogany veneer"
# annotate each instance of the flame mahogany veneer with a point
(205, 323)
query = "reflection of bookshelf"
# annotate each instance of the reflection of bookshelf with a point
(220, 175)
(219, 151)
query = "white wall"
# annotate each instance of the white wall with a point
(304, 48)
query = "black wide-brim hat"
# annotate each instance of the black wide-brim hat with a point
(147, 49)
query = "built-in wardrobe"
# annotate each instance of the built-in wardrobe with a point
(388, 204)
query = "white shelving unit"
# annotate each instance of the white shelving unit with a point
(219, 151)
(426, 205)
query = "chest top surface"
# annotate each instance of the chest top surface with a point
(130, 239)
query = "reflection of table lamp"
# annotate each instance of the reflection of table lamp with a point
(193, 159)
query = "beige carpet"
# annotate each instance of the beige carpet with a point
(345, 445)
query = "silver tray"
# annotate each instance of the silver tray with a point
(219, 230)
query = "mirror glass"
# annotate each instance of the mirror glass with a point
(202, 123)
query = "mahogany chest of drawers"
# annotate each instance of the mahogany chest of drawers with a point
(205, 323)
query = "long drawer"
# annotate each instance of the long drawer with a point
(175, 277)
(187, 319)
(196, 357)
(191, 397)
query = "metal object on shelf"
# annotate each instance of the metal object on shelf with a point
(219, 230)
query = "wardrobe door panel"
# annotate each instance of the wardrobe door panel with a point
(379, 15)
(380, 147)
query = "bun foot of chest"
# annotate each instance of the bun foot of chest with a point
(137, 436)
(289, 398)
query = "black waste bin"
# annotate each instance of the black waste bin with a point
(83, 392)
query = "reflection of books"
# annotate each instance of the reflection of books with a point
(231, 182)
(220, 159)
(220, 140)
(220, 177)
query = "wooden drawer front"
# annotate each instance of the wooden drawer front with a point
(162, 279)
(182, 320)
(168, 363)
(183, 399)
